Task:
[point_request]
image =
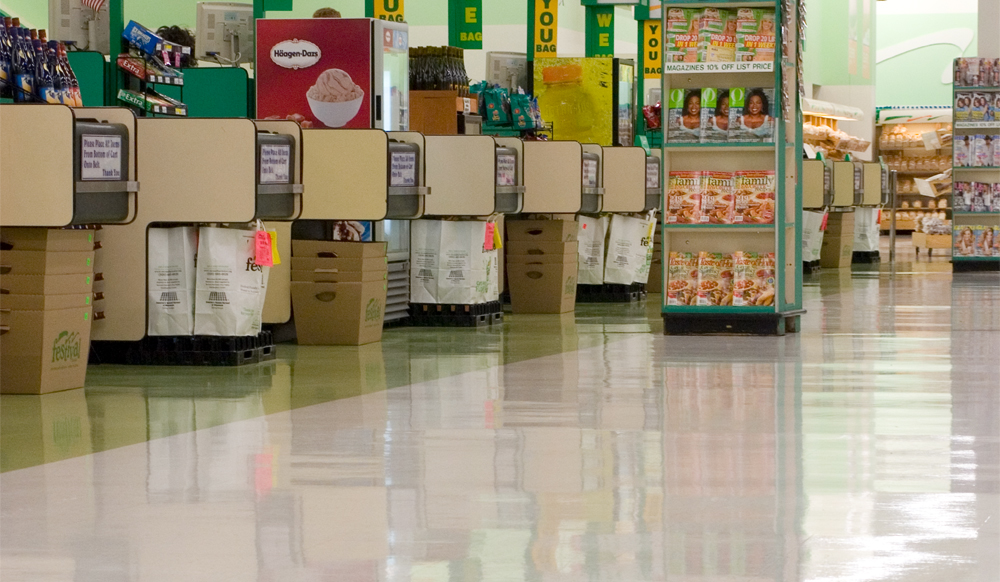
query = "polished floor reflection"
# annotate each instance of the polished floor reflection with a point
(582, 447)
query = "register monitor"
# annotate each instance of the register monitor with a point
(70, 20)
(509, 70)
(225, 32)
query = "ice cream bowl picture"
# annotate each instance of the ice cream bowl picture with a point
(335, 99)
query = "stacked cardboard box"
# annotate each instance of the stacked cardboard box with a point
(46, 303)
(838, 241)
(655, 283)
(542, 264)
(338, 291)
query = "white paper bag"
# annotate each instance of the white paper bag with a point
(866, 230)
(231, 286)
(593, 232)
(625, 247)
(449, 264)
(644, 253)
(812, 235)
(171, 280)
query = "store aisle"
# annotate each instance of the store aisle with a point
(586, 447)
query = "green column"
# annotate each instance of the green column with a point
(600, 31)
(116, 24)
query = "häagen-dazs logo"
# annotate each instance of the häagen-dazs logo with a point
(374, 310)
(295, 54)
(66, 347)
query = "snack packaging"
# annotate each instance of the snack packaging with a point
(753, 279)
(980, 108)
(963, 106)
(716, 36)
(714, 115)
(715, 279)
(684, 198)
(718, 203)
(684, 116)
(682, 35)
(751, 114)
(755, 34)
(682, 279)
(754, 195)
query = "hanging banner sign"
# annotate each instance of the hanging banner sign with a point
(600, 31)
(546, 27)
(385, 9)
(652, 34)
(465, 23)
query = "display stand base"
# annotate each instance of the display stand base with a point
(810, 267)
(197, 350)
(610, 293)
(455, 315)
(731, 324)
(975, 266)
(866, 257)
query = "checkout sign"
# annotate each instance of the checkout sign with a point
(546, 27)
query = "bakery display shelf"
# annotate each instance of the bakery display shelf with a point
(743, 227)
(709, 68)
(977, 125)
(720, 147)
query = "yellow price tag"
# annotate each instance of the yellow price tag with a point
(497, 239)
(274, 247)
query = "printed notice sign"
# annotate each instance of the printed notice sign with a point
(101, 157)
(589, 173)
(403, 169)
(506, 170)
(275, 164)
(652, 175)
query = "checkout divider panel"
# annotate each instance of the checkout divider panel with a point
(461, 172)
(344, 174)
(624, 179)
(36, 165)
(553, 174)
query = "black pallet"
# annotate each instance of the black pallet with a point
(810, 267)
(731, 324)
(610, 293)
(196, 350)
(866, 257)
(975, 266)
(455, 315)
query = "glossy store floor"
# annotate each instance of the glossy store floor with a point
(583, 447)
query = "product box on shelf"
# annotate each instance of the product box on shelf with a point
(682, 35)
(684, 116)
(682, 279)
(537, 287)
(45, 351)
(714, 115)
(542, 230)
(684, 198)
(751, 114)
(338, 313)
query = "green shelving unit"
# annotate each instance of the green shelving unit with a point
(784, 237)
(964, 220)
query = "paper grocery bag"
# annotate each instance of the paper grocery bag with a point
(449, 264)
(229, 297)
(626, 251)
(171, 280)
(593, 231)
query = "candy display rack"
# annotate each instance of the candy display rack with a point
(783, 156)
(146, 65)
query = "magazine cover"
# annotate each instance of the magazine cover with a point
(969, 239)
(981, 193)
(962, 196)
(682, 35)
(755, 34)
(963, 106)
(716, 36)
(983, 152)
(963, 147)
(995, 199)
(715, 279)
(682, 279)
(715, 115)
(684, 116)
(980, 107)
(751, 114)
(684, 198)
(718, 203)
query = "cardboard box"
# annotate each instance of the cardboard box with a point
(47, 239)
(46, 263)
(542, 288)
(45, 351)
(520, 247)
(840, 223)
(837, 252)
(341, 264)
(331, 314)
(542, 259)
(543, 230)
(47, 284)
(45, 302)
(655, 282)
(338, 249)
(337, 276)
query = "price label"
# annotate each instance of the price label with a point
(506, 170)
(589, 173)
(652, 175)
(275, 164)
(403, 169)
(101, 157)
